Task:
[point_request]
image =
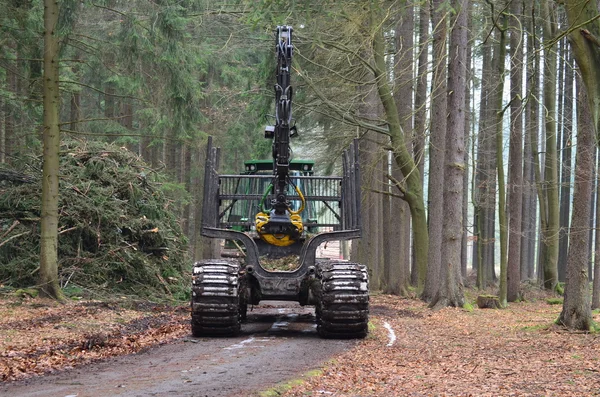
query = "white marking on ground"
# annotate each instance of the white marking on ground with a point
(279, 325)
(391, 333)
(240, 345)
(283, 322)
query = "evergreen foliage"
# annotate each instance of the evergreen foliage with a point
(117, 230)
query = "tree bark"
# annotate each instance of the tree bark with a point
(500, 163)
(528, 215)
(576, 312)
(48, 275)
(437, 142)
(467, 134)
(533, 134)
(398, 231)
(551, 231)
(421, 103)
(10, 138)
(596, 280)
(585, 43)
(515, 157)
(481, 175)
(450, 292)
(566, 172)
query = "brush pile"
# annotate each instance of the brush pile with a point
(118, 230)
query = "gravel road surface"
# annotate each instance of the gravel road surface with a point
(279, 342)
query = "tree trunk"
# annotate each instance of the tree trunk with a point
(565, 180)
(592, 221)
(437, 141)
(450, 292)
(398, 231)
(576, 312)
(401, 250)
(550, 175)
(515, 158)
(421, 103)
(533, 132)
(528, 215)
(465, 203)
(481, 175)
(490, 162)
(586, 49)
(596, 280)
(187, 181)
(487, 216)
(365, 250)
(500, 165)
(412, 188)
(10, 138)
(48, 275)
(75, 111)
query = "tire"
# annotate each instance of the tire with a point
(215, 298)
(342, 310)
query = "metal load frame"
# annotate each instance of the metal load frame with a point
(220, 196)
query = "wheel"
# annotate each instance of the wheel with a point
(342, 309)
(215, 298)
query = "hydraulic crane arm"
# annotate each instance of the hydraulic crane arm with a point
(281, 226)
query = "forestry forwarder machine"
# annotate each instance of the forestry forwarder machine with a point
(223, 288)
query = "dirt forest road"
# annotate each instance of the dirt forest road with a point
(279, 342)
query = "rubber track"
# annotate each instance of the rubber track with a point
(343, 308)
(215, 298)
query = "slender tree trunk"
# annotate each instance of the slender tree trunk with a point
(561, 265)
(596, 280)
(48, 275)
(535, 166)
(390, 269)
(515, 159)
(399, 231)
(437, 142)
(401, 211)
(467, 133)
(75, 110)
(550, 175)
(593, 217)
(2, 142)
(488, 180)
(528, 224)
(450, 292)
(421, 104)
(500, 165)
(576, 312)
(365, 249)
(565, 188)
(186, 211)
(481, 175)
(490, 161)
(10, 139)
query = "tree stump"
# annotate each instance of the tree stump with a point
(488, 302)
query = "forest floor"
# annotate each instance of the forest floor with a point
(410, 351)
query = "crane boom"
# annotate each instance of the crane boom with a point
(281, 226)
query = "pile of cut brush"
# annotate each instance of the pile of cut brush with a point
(285, 264)
(118, 231)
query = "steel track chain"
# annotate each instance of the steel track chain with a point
(215, 298)
(343, 307)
